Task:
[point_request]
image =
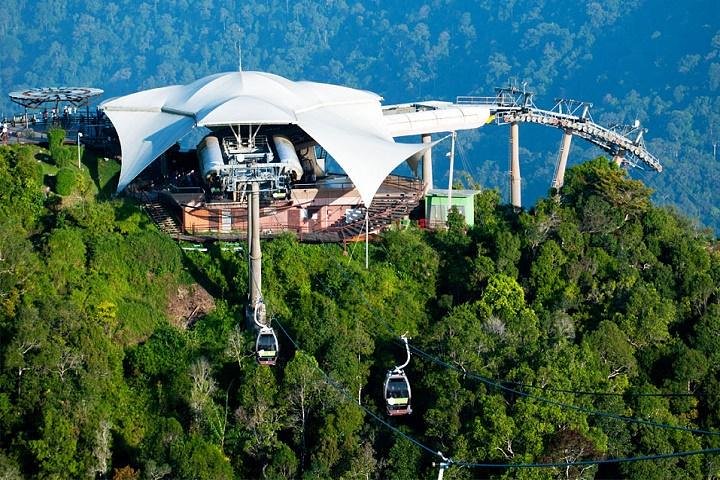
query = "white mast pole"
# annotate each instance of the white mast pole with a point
(452, 165)
(367, 235)
(239, 49)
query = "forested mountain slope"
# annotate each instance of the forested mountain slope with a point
(652, 60)
(512, 323)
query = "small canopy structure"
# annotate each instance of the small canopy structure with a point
(34, 97)
(347, 122)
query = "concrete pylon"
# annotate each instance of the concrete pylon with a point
(427, 173)
(255, 258)
(559, 177)
(515, 195)
(618, 159)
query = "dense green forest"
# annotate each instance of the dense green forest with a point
(652, 60)
(585, 328)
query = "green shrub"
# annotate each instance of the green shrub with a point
(62, 155)
(27, 167)
(137, 321)
(56, 137)
(65, 181)
(65, 157)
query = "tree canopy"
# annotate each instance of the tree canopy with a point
(582, 329)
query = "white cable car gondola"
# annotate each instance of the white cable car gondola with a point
(266, 344)
(397, 390)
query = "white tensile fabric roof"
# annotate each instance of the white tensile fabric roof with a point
(347, 122)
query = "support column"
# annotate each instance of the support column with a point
(618, 158)
(255, 253)
(515, 198)
(427, 173)
(255, 257)
(443, 465)
(367, 238)
(164, 166)
(450, 176)
(248, 247)
(559, 177)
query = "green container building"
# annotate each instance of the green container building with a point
(436, 206)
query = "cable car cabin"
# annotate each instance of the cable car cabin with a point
(397, 393)
(266, 347)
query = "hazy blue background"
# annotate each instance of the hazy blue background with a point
(656, 61)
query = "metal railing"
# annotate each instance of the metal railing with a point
(471, 100)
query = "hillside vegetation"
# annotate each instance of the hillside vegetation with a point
(514, 321)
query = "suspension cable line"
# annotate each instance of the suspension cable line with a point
(464, 464)
(579, 463)
(598, 394)
(498, 385)
(587, 411)
(495, 384)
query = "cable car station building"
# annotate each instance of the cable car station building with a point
(282, 135)
(288, 138)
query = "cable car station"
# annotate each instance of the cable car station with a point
(265, 158)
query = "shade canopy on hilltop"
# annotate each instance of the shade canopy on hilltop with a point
(347, 122)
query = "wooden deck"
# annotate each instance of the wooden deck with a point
(394, 201)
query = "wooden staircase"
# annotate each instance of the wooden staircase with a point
(383, 211)
(162, 217)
